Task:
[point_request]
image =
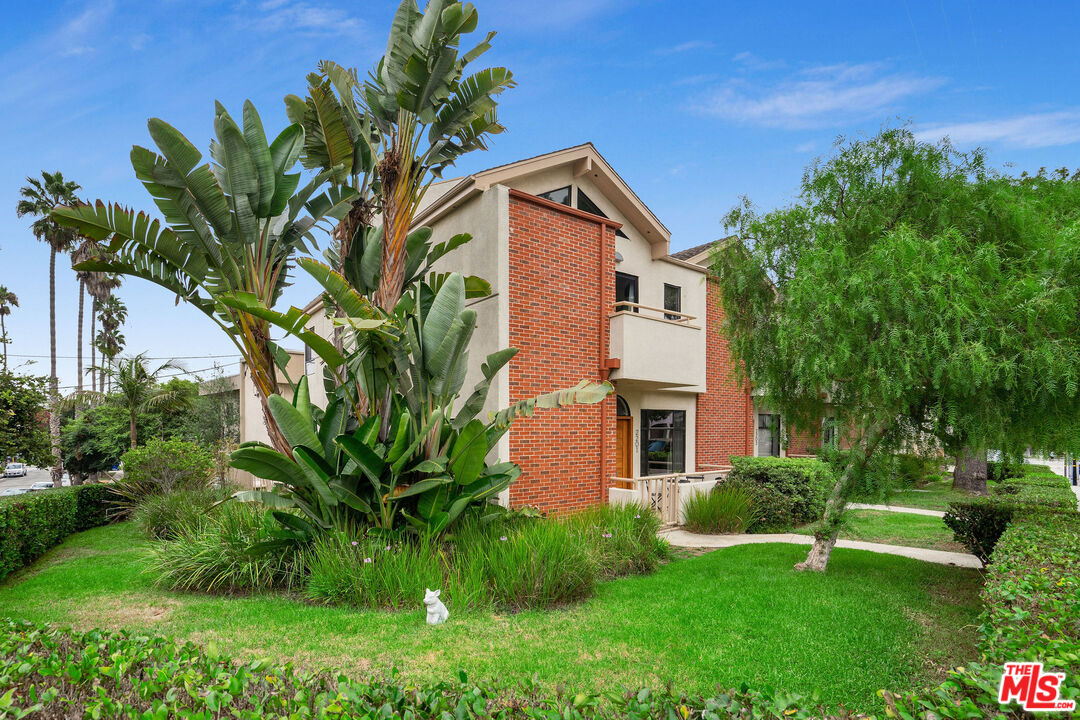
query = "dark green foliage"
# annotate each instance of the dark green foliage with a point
(998, 470)
(160, 676)
(912, 469)
(1035, 487)
(1032, 594)
(24, 433)
(162, 466)
(163, 516)
(30, 524)
(978, 524)
(787, 491)
(95, 441)
(507, 563)
(724, 509)
(213, 554)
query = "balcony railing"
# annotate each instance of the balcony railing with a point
(651, 312)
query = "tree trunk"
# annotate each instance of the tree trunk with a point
(93, 349)
(132, 431)
(970, 471)
(825, 538)
(3, 334)
(57, 472)
(78, 343)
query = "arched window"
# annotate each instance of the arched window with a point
(622, 408)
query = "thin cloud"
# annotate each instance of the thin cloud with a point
(750, 61)
(1037, 130)
(72, 37)
(304, 17)
(806, 147)
(820, 96)
(685, 47)
(551, 14)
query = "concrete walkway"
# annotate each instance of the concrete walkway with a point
(896, 509)
(684, 539)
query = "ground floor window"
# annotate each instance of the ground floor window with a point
(663, 447)
(768, 435)
(828, 432)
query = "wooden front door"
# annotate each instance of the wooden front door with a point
(624, 442)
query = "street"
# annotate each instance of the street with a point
(33, 475)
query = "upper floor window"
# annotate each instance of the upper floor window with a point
(828, 432)
(584, 202)
(672, 301)
(626, 290)
(309, 361)
(559, 195)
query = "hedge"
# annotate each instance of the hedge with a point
(32, 523)
(60, 673)
(787, 491)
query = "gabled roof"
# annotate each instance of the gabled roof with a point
(585, 159)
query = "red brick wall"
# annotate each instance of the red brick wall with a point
(558, 321)
(804, 441)
(725, 412)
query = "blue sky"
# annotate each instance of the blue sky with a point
(694, 103)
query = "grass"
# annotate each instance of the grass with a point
(734, 615)
(931, 496)
(892, 528)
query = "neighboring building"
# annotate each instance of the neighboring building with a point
(585, 287)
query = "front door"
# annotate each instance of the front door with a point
(624, 435)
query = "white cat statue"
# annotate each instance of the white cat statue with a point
(436, 611)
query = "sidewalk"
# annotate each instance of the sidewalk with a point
(682, 538)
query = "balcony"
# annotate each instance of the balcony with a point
(658, 348)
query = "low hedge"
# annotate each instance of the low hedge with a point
(60, 673)
(32, 523)
(787, 491)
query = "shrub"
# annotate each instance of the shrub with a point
(162, 466)
(912, 469)
(33, 523)
(978, 524)
(1032, 593)
(787, 491)
(724, 509)
(161, 517)
(164, 678)
(213, 554)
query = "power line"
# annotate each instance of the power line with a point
(165, 377)
(167, 357)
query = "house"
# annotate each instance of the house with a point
(585, 286)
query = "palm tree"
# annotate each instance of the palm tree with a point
(137, 389)
(8, 300)
(39, 199)
(110, 341)
(99, 286)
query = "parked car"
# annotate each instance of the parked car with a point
(43, 485)
(15, 470)
(12, 491)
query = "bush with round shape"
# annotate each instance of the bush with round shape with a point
(160, 467)
(787, 491)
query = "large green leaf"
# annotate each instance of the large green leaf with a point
(351, 302)
(475, 403)
(424, 485)
(447, 306)
(296, 429)
(266, 463)
(264, 497)
(584, 392)
(255, 137)
(348, 497)
(447, 365)
(468, 453)
(316, 472)
(370, 462)
(295, 322)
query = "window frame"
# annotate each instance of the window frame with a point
(678, 296)
(676, 461)
(569, 195)
(637, 292)
(774, 443)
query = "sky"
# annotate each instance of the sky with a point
(695, 104)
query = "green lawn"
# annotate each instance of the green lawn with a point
(931, 496)
(739, 614)
(894, 528)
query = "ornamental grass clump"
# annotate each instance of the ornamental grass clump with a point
(162, 517)
(724, 509)
(622, 539)
(219, 553)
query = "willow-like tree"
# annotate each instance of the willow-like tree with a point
(918, 294)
